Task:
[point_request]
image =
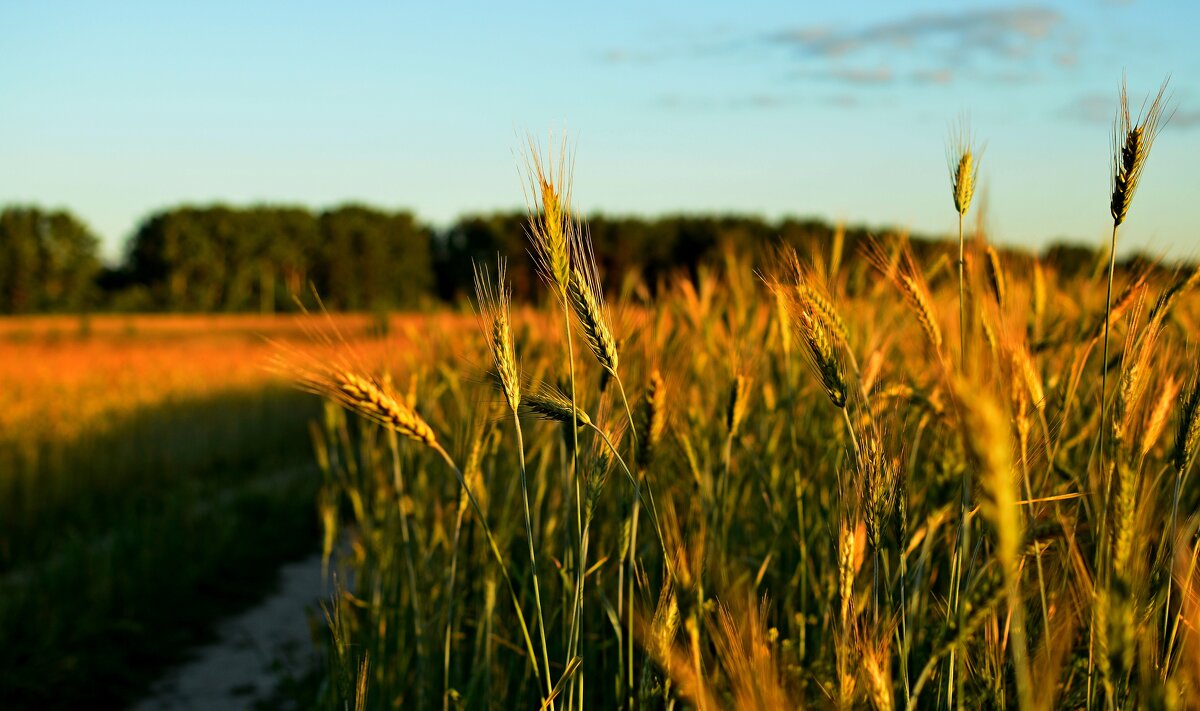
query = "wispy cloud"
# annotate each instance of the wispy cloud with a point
(625, 56)
(1185, 119)
(879, 75)
(762, 101)
(1091, 108)
(998, 46)
(758, 102)
(987, 45)
(933, 76)
(854, 76)
(1005, 33)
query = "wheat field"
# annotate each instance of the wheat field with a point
(825, 479)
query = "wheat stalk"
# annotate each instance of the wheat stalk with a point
(817, 323)
(653, 421)
(494, 310)
(735, 409)
(824, 309)
(1157, 420)
(902, 272)
(876, 668)
(917, 297)
(962, 160)
(1132, 386)
(1187, 438)
(374, 401)
(371, 399)
(552, 230)
(1131, 143)
(987, 440)
(551, 225)
(995, 274)
(964, 170)
(587, 301)
(845, 569)
(1187, 433)
(584, 291)
(548, 403)
(497, 326)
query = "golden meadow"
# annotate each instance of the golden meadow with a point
(833, 479)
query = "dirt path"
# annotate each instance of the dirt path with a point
(253, 653)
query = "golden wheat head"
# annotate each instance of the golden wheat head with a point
(497, 325)
(735, 408)
(962, 159)
(548, 403)
(371, 399)
(653, 419)
(587, 301)
(1187, 433)
(551, 224)
(1132, 139)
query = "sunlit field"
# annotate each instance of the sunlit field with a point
(823, 479)
(788, 486)
(154, 471)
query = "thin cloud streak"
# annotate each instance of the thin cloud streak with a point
(1006, 33)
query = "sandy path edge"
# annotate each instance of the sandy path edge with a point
(253, 651)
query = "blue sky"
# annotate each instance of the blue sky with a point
(114, 110)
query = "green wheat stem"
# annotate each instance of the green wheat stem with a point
(495, 549)
(537, 593)
(406, 537)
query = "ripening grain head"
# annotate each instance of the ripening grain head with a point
(653, 419)
(1187, 433)
(735, 409)
(876, 667)
(876, 480)
(551, 224)
(1135, 374)
(996, 279)
(821, 337)
(497, 327)
(370, 398)
(1156, 422)
(1132, 138)
(548, 403)
(962, 158)
(901, 269)
(587, 301)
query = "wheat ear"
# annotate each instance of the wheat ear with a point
(548, 403)
(497, 327)
(372, 400)
(1131, 139)
(548, 198)
(964, 169)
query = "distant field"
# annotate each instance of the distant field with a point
(62, 376)
(153, 470)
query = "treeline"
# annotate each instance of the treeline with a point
(48, 261)
(220, 258)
